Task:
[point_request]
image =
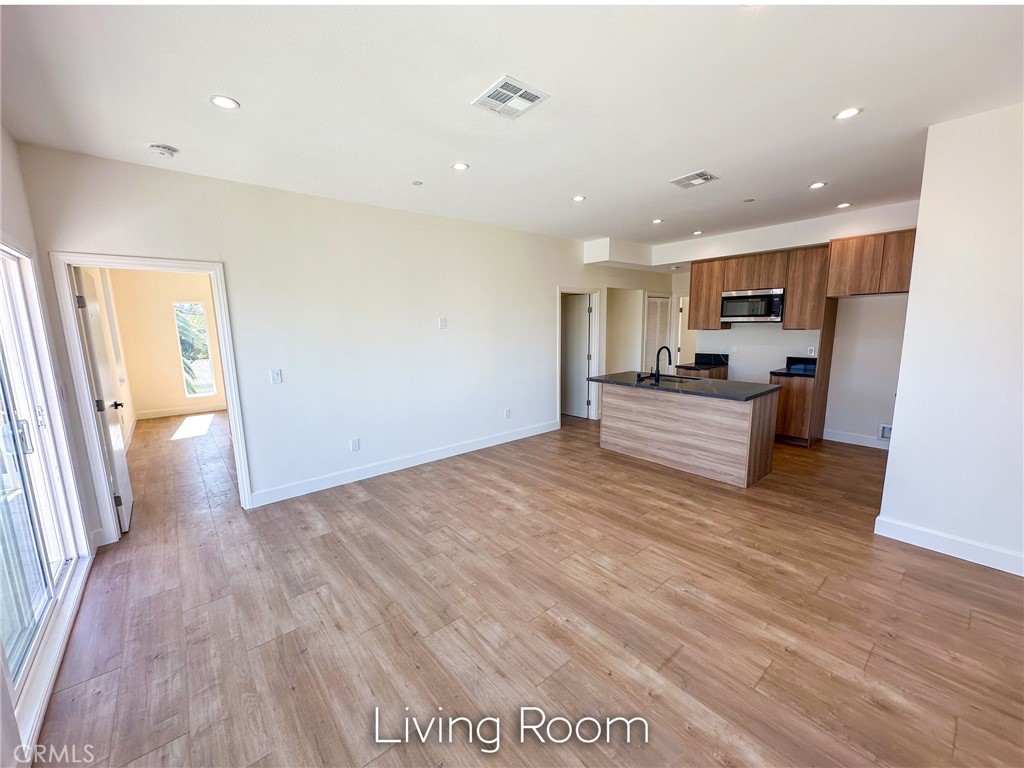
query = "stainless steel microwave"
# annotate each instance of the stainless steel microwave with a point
(757, 306)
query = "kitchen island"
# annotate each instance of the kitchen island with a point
(720, 429)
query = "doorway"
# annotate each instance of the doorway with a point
(145, 343)
(577, 343)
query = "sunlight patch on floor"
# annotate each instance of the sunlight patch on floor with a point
(194, 426)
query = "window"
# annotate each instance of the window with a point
(194, 342)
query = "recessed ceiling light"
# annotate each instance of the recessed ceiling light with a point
(460, 166)
(164, 150)
(698, 231)
(417, 183)
(843, 205)
(847, 113)
(578, 198)
(225, 102)
(655, 221)
(817, 185)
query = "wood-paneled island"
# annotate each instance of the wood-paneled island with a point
(723, 430)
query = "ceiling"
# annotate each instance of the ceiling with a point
(357, 102)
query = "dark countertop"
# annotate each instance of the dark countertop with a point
(719, 388)
(705, 361)
(805, 367)
(699, 367)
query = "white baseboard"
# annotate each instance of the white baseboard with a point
(290, 491)
(949, 544)
(854, 438)
(182, 411)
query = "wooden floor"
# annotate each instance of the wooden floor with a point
(765, 626)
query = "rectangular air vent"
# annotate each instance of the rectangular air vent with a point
(510, 98)
(885, 431)
(694, 179)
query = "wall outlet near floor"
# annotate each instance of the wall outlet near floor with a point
(353, 444)
(725, 348)
(885, 431)
(508, 413)
(442, 323)
(275, 376)
(810, 351)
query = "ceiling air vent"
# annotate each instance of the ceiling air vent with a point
(510, 98)
(694, 179)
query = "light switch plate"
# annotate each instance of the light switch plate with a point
(442, 323)
(353, 444)
(276, 376)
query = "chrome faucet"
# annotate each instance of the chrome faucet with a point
(657, 364)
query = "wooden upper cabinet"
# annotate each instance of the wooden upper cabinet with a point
(897, 258)
(855, 265)
(806, 277)
(706, 280)
(759, 270)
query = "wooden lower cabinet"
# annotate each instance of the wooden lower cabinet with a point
(794, 418)
(721, 372)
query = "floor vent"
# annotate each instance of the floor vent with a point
(510, 98)
(694, 179)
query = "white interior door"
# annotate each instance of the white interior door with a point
(575, 348)
(101, 374)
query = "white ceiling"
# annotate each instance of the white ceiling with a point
(357, 102)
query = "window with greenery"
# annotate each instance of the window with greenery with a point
(194, 341)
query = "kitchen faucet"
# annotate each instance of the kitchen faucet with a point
(657, 364)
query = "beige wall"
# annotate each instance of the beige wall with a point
(145, 313)
(624, 348)
(345, 299)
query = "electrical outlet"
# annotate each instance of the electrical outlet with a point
(353, 444)
(725, 348)
(442, 323)
(275, 376)
(810, 351)
(508, 413)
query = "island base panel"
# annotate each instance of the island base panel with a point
(724, 440)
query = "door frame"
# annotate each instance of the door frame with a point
(62, 262)
(594, 409)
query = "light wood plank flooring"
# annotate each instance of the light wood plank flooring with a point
(759, 626)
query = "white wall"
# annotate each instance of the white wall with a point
(15, 219)
(345, 299)
(954, 479)
(791, 234)
(865, 368)
(624, 340)
(149, 335)
(756, 349)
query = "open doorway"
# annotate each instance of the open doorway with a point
(151, 354)
(577, 343)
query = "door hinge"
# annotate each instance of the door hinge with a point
(588, 357)
(590, 310)
(40, 416)
(80, 302)
(588, 402)
(680, 310)
(100, 406)
(117, 501)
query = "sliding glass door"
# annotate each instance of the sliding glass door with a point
(25, 591)
(37, 541)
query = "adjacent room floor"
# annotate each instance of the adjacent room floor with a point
(759, 626)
